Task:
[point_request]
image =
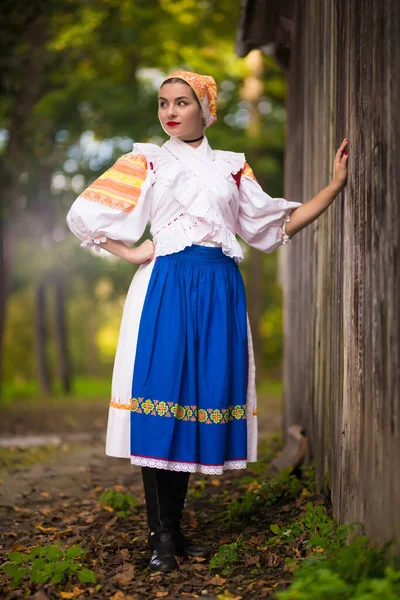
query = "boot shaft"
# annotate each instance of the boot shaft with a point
(165, 493)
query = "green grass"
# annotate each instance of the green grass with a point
(270, 387)
(82, 387)
(94, 388)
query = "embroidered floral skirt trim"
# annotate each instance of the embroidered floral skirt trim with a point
(188, 402)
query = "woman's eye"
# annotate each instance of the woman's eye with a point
(182, 103)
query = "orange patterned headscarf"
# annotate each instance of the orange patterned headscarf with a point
(205, 88)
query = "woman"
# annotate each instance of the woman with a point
(183, 391)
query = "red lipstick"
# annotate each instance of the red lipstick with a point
(172, 123)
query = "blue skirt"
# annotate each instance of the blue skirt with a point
(188, 407)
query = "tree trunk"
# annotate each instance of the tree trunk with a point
(41, 338)
(60, 329)
(28, 84)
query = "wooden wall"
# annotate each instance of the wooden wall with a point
(342, 273)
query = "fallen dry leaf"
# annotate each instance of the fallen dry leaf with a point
(226, 595)
(224, 540)
(215, 482)
(45, 494)
(198, 567)
(45, 510)
(126, 574)
(124, 554)
(59, 534)
(120, 596)
(45, 529)
(161, 594)
(217, 580)
(251, 560)
(256, 540)
(272, 559)
(254, 486)
(40, 596)
(16, 547)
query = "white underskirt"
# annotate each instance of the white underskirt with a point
(118, 429)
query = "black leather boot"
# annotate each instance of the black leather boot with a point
(173, 485)
(165, 493)
(186, 547)
(163, 549)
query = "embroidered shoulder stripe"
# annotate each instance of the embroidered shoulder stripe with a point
(119, 188)
(248, 171)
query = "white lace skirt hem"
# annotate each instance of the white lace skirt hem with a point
(157, 463)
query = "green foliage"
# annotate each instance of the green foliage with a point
(48, 564)
(227, 556)
(317, 530)
(97, 93)
(120, 502)
(354, 572)
(273, 491)
(332, 568)
(22, 457)
(84, 388)
(239, 509)
(282, 487)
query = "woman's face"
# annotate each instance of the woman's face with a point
(179, 112)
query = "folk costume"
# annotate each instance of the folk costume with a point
(183, 390)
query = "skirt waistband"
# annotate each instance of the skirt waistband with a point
(199, 253)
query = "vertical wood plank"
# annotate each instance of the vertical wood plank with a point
(342, 273)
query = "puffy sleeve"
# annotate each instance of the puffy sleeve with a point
(262, 219)
(116, 205)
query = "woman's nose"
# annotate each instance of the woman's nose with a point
(171, 112)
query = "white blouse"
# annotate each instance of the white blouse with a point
(189, 195)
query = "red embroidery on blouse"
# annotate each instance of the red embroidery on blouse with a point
(237, 176)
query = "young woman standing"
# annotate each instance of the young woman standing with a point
(183, 391)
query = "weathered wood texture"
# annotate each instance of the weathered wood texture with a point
(342, 273)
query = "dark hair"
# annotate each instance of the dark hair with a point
(179, 80)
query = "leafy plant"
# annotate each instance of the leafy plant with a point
(118, 501)
(227, 556)
(47, 564)
(240, 508)
(285, 486)
(332, 568)
(319, 531)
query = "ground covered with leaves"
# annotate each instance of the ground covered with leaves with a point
(74, 526)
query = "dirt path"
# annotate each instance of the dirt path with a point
(71, 468)
(56, 498)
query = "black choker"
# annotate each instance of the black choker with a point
(196, 140)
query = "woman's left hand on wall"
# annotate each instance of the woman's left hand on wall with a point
(340, 165)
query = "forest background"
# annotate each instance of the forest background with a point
(78, 85)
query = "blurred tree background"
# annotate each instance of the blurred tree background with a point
(78, 85)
